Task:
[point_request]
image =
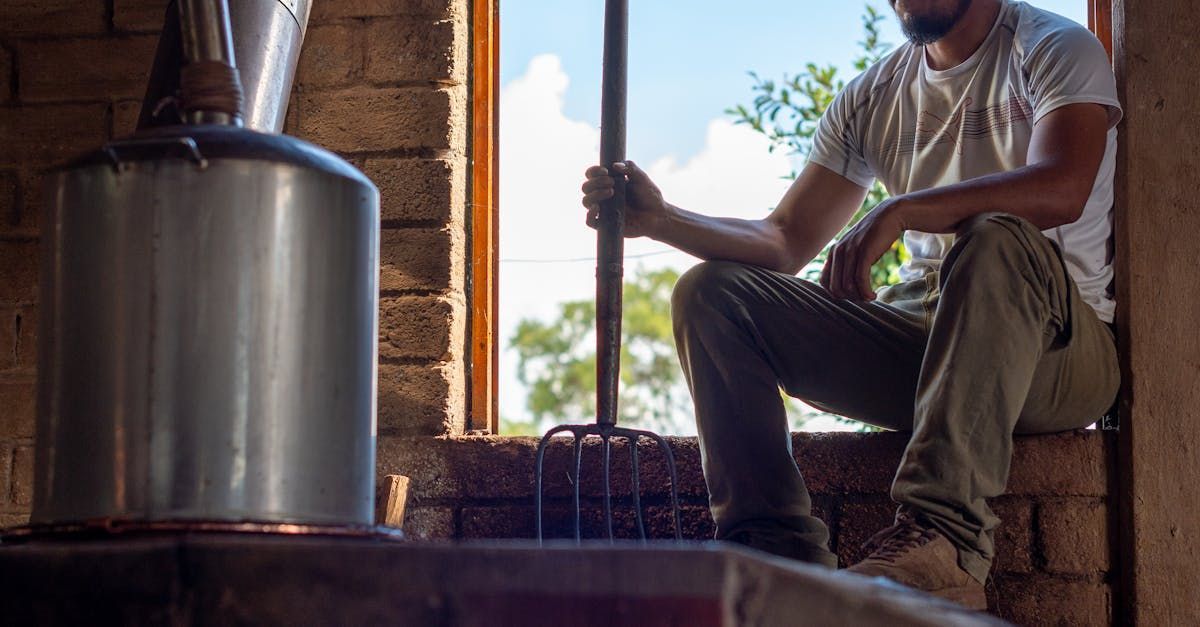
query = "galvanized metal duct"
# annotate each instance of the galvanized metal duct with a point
(209, 310)
(267, 35)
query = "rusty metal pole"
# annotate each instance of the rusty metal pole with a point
(610, 241)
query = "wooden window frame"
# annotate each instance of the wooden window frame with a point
(484, 192)
(483, 215)
(1100, 23)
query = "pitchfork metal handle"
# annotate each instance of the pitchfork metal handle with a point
(610, 238)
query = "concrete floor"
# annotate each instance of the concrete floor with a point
(193, 579)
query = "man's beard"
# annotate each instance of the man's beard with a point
(926, 29)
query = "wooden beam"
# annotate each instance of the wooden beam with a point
(485, 194)
(1100, 22)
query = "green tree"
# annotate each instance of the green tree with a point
(556, 360)
(787, 113)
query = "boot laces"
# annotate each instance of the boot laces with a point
(894, 542)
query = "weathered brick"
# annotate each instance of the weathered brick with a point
(56, 17)
(18, 400)
(503, 467)
(429, 523)
(367, 120)
(323, 11)
(835, 463)
(140, 16)
(125, 118)
(421, 327)
(518, 521)
(417, 189)
(18, 339)
(6, 74)
(1074, 536)
(1034, 600)
(14, 520)
(421, 259)
(1014, 537)
(28, 204)
(8, 339)
(67, 69)
(47, 134)
(26, 327)
(857, 522)
(6, 466)
(10, 201)
(416, 50)
(18, 281)
(22, 476)
(653, 472)
(331, 55)
(1077, 460)
(419, 400)
(848, 463)
(425, 461)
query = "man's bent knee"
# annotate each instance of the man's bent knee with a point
(991, 233)
(1002, 228)
(704, 285)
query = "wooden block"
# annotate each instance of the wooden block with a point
(397, 497)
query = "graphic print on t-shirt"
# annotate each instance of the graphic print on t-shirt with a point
(964, 125)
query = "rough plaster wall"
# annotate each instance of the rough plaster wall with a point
(1157, 54)
(382, 82)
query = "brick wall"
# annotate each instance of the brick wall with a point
(1053, 563)
(382, 82)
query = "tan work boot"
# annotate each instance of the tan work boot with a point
(921, 558)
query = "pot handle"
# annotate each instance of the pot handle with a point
(122, 150)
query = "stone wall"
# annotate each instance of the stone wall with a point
(382, 82)
(1053, 564)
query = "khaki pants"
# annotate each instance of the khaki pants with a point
(999, 341)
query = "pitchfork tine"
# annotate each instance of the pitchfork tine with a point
(637, 485)
(608, 521)
(541, 457)
(578, 473)
(670, 457)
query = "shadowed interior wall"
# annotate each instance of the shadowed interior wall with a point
(1156, 57)
(383, 82)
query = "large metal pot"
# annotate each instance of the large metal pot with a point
(208, 333)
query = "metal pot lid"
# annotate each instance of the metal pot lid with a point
(200, 143)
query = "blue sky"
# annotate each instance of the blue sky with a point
(688, 59)
(688, 63)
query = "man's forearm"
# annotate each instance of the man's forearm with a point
(1037, 193)
(755, 242)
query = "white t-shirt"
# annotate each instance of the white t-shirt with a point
(914, 128)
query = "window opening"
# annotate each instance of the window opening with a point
(684, 129)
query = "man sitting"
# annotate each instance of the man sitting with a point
(993, 128)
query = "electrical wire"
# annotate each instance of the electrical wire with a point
(583, 259)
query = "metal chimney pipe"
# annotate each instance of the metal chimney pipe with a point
(267, 35)
(209, 86)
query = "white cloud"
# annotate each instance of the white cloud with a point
(543, 154)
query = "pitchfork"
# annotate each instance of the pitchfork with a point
(610, 248)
